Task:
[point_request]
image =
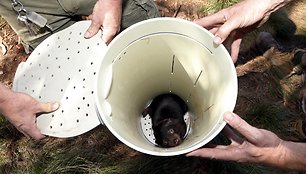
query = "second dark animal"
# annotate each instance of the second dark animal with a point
(167, 114)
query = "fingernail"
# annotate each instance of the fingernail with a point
(217, 40)
(87, 34)
(55, 106)
(228, 117)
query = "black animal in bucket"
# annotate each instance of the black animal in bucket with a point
(167, 114)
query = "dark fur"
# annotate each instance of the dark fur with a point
(167, 114)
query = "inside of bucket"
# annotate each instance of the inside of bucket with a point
(163, 63)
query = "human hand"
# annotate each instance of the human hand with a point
(234, 22)
(258, 145)
(106, 15)
(20, 110)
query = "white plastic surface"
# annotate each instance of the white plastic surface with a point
(158, 56)
(63, 68)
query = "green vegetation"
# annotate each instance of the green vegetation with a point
(216, 5)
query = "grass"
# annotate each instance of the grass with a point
(216, 5)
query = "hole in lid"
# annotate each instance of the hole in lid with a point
(32, 75)
(67, 49)
(88, 105)
(94, 73)
(69, 38)
(83, 79)
(50, 127)
(86, 114)
(78, 52)
(33, 90)
(61, 124)
(48, 55)
(92, 92)
(59, 67)
(68, 58)
(91, 63)
(52, 115)
(80, 33)
(52, 75)
(62, 90)
(24, 75)
(39, 97)
(83, 98)
(47, 67)
(74, 87)
(77, 120)
(87, 47)
(48, 45)
(58, 37)
(68, 78)
(58, 46)
(45, 85)
(56, 58)
(62, 111)
(39, 64)
(38, 53)
(70, 32)
(79, 42)
(25, 88)
(66, 98)
(98, 43)
(79, 108)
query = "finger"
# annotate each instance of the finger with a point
(108, 34)
(92, 30)
(235, 49)
(229, 133)
(36, 134)
(251, 133)
(212, 20)
(31, 132)
(225, 30)
(225, 153)
(48, 107)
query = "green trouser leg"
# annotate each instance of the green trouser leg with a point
(63, 13)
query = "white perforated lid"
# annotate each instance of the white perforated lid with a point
(63, 68)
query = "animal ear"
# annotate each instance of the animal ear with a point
(147, 111)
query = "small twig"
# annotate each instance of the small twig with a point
(177, 11)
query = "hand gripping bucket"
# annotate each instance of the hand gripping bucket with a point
(161, 55)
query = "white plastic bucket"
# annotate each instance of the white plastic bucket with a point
(158, 56)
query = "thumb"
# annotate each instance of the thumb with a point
(49, 107)
(251, 133)
(92, 30)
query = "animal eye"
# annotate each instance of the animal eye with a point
(171, 131)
